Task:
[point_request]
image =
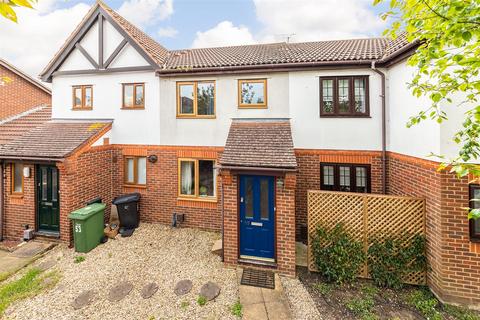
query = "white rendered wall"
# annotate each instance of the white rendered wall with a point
(129, 126)
(310, 131)
(213, 132)
(420, 140)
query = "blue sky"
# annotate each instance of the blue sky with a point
(179, 24)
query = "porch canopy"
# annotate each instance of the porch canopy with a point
(259, 144)
(55, 140)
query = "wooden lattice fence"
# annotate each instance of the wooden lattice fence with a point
(366, 216)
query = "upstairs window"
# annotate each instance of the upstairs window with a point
(17, 178)
(133, 96)
(475, 204)
(196, 179)
(135, 171)
(252, 93)
(344, 96)
(82, 97)
(196, 99)
(345, 177)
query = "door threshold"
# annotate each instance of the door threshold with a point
(48, 234)
(264, 263)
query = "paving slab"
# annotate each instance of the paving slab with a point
(149, 290)
(210, 290)
(83, 299)
(31, 249)
(183, 287)
(263, 304)
(255, 311)
(120, 291)
(10, 262)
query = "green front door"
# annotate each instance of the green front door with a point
(47, 198)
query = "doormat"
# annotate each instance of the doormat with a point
(258, 278)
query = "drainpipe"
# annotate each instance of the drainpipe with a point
(1, 200)
(384, 130)
(223, 221)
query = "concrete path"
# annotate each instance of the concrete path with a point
(10, 262)
(263, 304)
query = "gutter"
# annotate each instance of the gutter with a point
(32, 159)
(261, 67)
(384, 129)
(241, 168)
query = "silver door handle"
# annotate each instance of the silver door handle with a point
(48, 204)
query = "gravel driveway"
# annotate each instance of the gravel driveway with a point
(154, 253)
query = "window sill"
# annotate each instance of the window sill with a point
(344, 116)
(132, 108)
(135, 186)
(82, 109)
(194, 117)
(253, 107)
(16, 195)
(199, 199)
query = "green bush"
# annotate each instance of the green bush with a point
(337, 255)
(389, 260)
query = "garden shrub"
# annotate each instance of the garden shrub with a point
(389, 260)
(337, 255)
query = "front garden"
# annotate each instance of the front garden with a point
(389, 261)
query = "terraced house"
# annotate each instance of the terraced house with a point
(233, 137)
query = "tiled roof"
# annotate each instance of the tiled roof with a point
(279, 53)
(15, 127)
(259, 143)
(54, 139)
(353, 51)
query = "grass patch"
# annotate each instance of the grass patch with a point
(424, 301)
(79, 259)
(201, 301)
(30, 284)
(460, 313)
(236, 309)
(324, 288)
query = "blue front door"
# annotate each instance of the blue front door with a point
(257, 217)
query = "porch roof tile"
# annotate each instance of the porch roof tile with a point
(54, 139)
(259, 143)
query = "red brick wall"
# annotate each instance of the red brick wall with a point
(84, 178)
(20, 210)
(160, 196)
(19, 95)
(285, 222)
(308, 175)
(454, 260)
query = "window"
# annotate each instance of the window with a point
(345, 177)
(82, 97)
(197, 179)
(344, 96)
(17, 178)
(475, 224)
(196, 99)
(135, 171)
(133, 96)
(252, 93)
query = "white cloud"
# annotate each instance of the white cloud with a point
(223, 34)
(308, 20)
(146, 12)
(32, 42)
(313, 20)
(167, 32)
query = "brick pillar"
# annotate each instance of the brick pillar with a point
(230, 218)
